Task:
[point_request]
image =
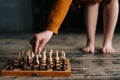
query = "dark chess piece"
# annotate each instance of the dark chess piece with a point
(47, 67)
(63, 67)
(35, 60)
(28, 61)
(11, 64)
(40, 64)
(24, 65)
(40, 67)
(33, 63)
(55, 66)
(20, 63)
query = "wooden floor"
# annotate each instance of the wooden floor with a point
(84, 66)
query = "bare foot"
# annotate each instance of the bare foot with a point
(108, 49)
(89, 49)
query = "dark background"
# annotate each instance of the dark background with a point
(30, 16)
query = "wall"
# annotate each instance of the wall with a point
(28, 16)
(15, 16)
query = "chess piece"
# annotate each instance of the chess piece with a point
(37, 59)
(24, 65)
(47, 64)
(63, 55)
(19, 55)
(32, 55)
(11, 64)
(29, 56)
(63, 67)
(39, 55)
(63, 60)
(56, 66)
(50, 58)
(44, 57)
(40, 64)
(57, 57)
(19, 59)
(22, 52)
(33, 63)
(50, 55)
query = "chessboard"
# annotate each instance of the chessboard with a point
(40, 64)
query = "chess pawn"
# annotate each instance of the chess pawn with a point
(29, 56)
(32, 55)
(57, 57)
(39, 55)
(50, 55)
(63, 67)
(11, 64)
(22, 53)
(63, 55)
(56, 66)
(47, 64)
(37, 59)
(44, 56)
(40, 64)
(24, 65)
(20, 59)
(19, 55)
(33, 63)
(63, 60)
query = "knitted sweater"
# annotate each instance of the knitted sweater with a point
(59, 12)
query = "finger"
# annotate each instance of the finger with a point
(32, 42)
(36, 45)
(41, 45)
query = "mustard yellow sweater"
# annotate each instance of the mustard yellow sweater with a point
(59, 12)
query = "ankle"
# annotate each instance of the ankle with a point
(107, 43)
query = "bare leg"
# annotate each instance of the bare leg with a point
(91, 15)
(110, 16)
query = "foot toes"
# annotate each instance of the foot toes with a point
(108, 50)
(88, 50)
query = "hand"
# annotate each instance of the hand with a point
(39, 40)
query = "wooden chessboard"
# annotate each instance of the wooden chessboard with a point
(17, 71)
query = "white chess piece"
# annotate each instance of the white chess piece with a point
(32, 55)
(57, 58)
(44, 55)
(63, 53)
(39, 55)
(50, 55)
(22, 53)
(29, 56)
(37, 59)
(19, 55)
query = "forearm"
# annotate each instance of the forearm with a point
(58, 14)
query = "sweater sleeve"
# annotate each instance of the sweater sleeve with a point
(58, 14)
